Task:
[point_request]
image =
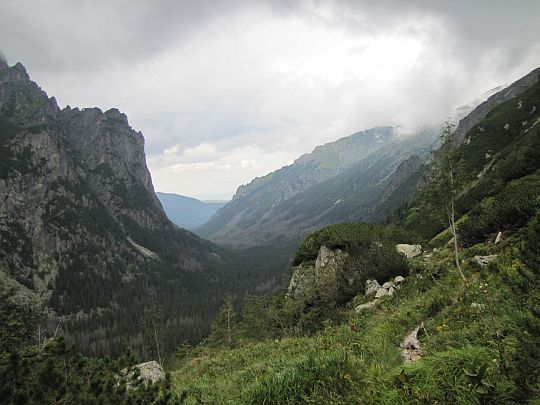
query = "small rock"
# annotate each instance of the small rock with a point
(372, 286)
(411, 349)
(391, 291)
(387, 285)
(381, 292)
(498, 238)
(409, 251)
(506, 126)
(399, 279)
(484, 260)
(362, 307)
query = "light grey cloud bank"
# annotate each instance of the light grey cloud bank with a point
(228, 90)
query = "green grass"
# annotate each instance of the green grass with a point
(470, 355)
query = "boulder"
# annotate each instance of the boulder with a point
(372, 286)
(409, 251)
(399, 280)
(327, 256)
(388, 285)
(363, 307)
(484, 260)
(149, 372)
(324, 280)
(381, 292)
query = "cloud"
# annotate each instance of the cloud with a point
(225, 91)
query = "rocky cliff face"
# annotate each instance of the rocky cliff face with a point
(74, 174)
(81, 228)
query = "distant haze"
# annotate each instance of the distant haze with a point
(224, 91)
(188, 212)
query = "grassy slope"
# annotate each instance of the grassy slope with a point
(359, 361)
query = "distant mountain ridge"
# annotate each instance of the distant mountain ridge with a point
(340, 181)
(188, 212)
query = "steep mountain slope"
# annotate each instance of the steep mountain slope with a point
(82, 231)
(480, 112)
(262, 213)
(188, 212)
(254, 200)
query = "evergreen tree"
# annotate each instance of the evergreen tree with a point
(153, 329)
(224, 329)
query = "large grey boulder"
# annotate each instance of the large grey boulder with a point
(381, 293)
(150, 372)
(409, 251)
(322, 280)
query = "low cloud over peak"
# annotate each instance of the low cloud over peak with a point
(226, 91)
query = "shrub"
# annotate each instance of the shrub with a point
(508, 210)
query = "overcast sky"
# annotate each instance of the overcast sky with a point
(224, 91)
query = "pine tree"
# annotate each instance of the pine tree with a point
(153, 329)
(225, 327)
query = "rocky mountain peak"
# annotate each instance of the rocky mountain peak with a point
(80, 225)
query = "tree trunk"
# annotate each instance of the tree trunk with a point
(157, 342)
(454, 233)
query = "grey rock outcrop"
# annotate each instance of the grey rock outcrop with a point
(372, 286)
(484, 260)
(409, 251)
(322, 280)
(149, 372)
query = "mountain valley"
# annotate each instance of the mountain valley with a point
(380, 268)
